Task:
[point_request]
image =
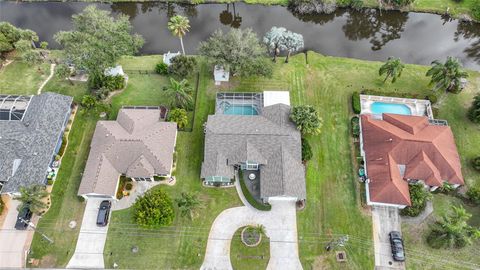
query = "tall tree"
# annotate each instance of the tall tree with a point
(12, 38)
(31, 197)
(62, 71)
(447, 76)
(307, 119)
(188, 203)
(238, 50)
(97, 42)
(293, 42)
(179, 26)
(474, 111)
(274, 40)
(180, 93)
(452, 230)
(392, 69)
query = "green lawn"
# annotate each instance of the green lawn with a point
(20, 78)
(252, 258)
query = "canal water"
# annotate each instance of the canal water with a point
(416, 38)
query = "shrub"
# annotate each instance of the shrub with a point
(418, 197)
(399, 3)
(1, 205)
(307, 120)
(114, 82)
(179, 116)
(128, 186)
(473, 194)
(474, 111)
(61, 151)
(88, 101)
(44, 45)
(476, 163)
(182, 65)
(356, 102)
(161, 68)
(432, 98)
(307, 153)
(355, 126)
(153, 208)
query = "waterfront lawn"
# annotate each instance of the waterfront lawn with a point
(19, 78)
(183, 243)
(254, 258)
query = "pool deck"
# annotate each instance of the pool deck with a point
(418, 107)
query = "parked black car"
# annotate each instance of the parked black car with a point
(103, 213)
(396, 243)
(23, 219)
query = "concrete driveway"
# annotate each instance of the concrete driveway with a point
(91, 240)
(13, 243)
(280, 226)
(384, 220)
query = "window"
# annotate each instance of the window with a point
(252, 165)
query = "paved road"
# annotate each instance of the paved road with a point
(385, 220)
(13, 243)
(91, 240)
(280, 226)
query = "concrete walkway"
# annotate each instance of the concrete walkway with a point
(384, 220)
(52, 72)
(280, 226)
(140, 187)
(91, 240)
(13, 243)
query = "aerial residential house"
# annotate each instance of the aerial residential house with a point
(253, 132)
(31, 131)
(401, 149)
(139, 145)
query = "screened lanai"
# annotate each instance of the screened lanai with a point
(13, 107)
(239, 103)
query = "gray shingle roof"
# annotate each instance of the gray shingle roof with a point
(270, 139)
(29, 145)
(138, 144)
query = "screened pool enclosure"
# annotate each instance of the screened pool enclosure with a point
(239, 103)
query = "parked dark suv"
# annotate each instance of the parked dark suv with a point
(23, 219)
(396, 243)
(103, 213)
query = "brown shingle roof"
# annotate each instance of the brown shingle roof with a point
(428, 152)
(137, 145)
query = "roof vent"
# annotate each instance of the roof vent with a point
(35, 153)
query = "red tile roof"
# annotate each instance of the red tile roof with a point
(409, 144)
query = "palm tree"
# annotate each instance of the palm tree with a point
(180, 93)
(187, 204)
(179, 26)
(447, 76)
(32, 198)
(453, 230)
(392, 68)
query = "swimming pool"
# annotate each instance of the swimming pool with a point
(233, 109)
(383, 107)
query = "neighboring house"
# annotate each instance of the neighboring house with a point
(139, 145)
(31, 131)
(402, 149)
(246, 135)
(167, 57)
